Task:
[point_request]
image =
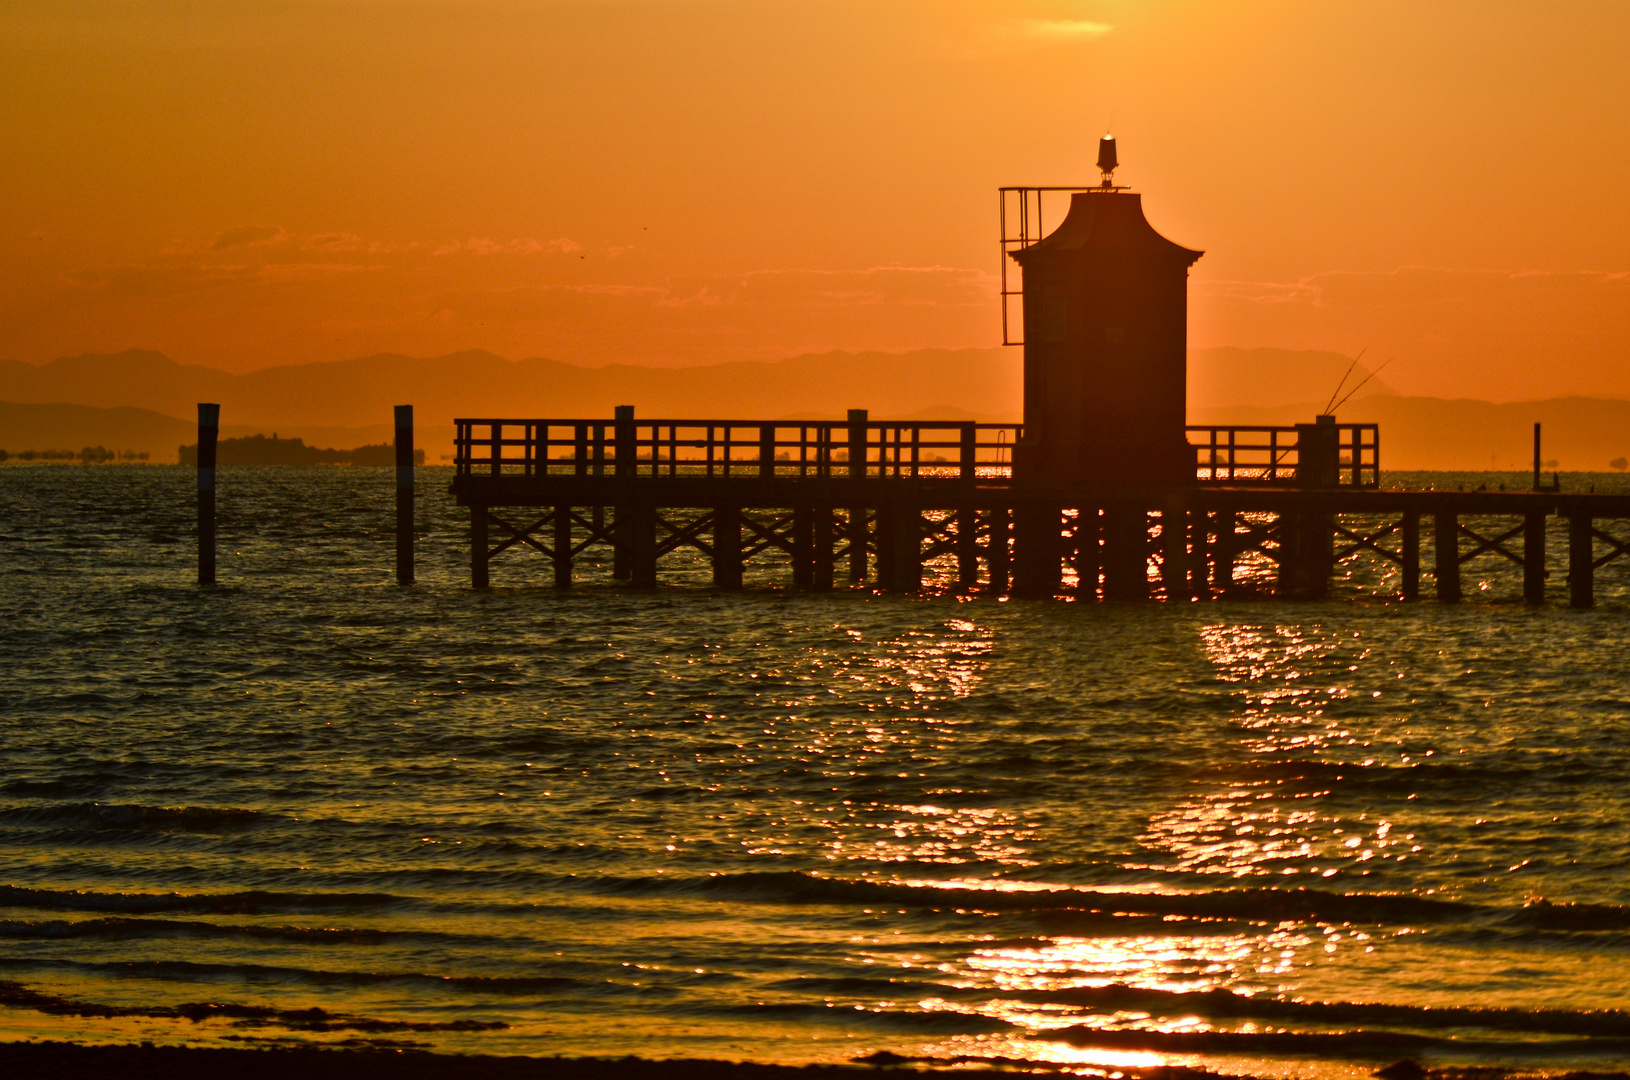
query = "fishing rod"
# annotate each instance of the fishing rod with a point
(1360, 386)
(1344, 378)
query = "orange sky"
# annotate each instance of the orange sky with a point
(248, 183)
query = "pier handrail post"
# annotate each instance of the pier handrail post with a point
(969, 451)
(623, 526)
(623, 436)
(1536, 455)
(857, 443)
(404, 494)
(766, 451)
(859, 430)
(209, 431)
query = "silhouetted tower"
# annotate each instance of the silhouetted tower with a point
(1105, 343)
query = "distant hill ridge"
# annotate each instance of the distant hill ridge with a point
(143, 400)
(985, 383)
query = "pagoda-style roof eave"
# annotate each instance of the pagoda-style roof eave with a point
(1092, 215)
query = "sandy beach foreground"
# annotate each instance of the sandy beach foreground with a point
(69, 1061)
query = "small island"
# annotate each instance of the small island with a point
(264, 450)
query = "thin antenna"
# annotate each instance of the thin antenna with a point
(1360, 386)
(1344, 378)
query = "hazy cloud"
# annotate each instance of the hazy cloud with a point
(1434, 285)
(333, 242)
(247, 236)
(145, 282)
(525, 245)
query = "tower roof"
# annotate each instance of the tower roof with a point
(1106, 220)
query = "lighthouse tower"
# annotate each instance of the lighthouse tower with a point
(1105, 343)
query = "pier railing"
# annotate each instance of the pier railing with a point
(733, 448)
(1310, 455)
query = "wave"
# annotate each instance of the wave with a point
(1376, 1045)
(1542, 914)
(250, 902)
(1252, 904)
(1229, 1007)
(313, 1019)
(128, 929)
(134, 816)
(201, 971)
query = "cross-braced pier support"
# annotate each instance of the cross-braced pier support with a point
(891, 506)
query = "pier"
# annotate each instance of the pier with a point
(866, 502)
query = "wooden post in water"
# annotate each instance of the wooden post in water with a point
(857, 513)
(643, 526)
(563, 547)
(1198, 527)
(1125, 552)
(727, 547)
(1446, 552)
(1037, 537)
(479, 552)
(1581, 558)
(996, 556)
(803, 546)
(905, 563)
(404, 494)
(1225, 552)
(1410, 556)
(625, 467)
(967, 547)
(1533, 558)
(823, 542)
(1174, 550)
(209, 431)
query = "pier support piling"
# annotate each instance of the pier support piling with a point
(1036, 543)
(563, 547)
(727, 547)
(643, 541)
(803, 546)
(900, 546)
(209, 431)
(1174, 551)
(1581, 558)
(1446, 554)
(1409, 558)
(1125, 552)
(404, 494)
(967, 547)
(1533, 558)
(996, 557)
(824, 544)
(479, 549)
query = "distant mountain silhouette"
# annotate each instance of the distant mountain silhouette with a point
(983, 383)
(145, 401)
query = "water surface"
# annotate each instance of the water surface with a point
(780, 826)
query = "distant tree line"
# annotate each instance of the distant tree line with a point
(261, 450)
(90, 455)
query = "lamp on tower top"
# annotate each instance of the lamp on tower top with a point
(1106, 160)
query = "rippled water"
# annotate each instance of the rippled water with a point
(780, 826)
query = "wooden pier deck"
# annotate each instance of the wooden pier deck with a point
(869, 502)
